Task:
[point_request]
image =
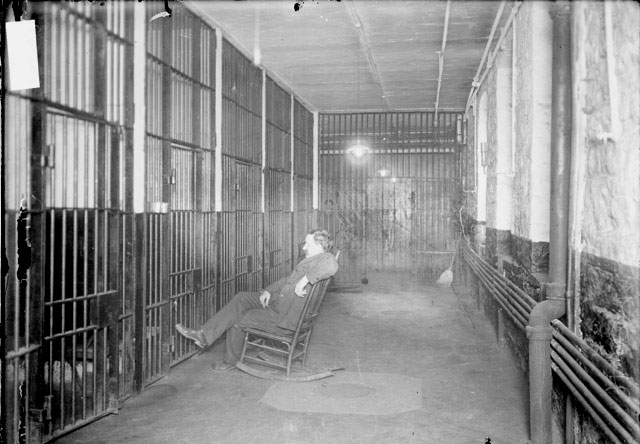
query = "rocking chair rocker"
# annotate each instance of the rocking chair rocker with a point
(281, 350)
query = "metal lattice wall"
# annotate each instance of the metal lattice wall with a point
(277, 218)
(180, 225)
(69, 345)
(240, 228)
(95, 289)
(393, 209)
(304, 216)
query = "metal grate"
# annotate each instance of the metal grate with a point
(394, 209)
(66, 194)
(304, 216)
(180, 180)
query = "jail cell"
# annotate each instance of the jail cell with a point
(186, 299)
(70, 311)
(180, 224)
(153, 228)
(22, 229)
(240, 229)
(303, 214)
(154, 311)
(392, 209)
(249, 219)
(277, 217)
(435, 229)
(241, 106)
(240, 225)
(344, 214)
(277, 226)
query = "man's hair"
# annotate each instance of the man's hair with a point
(322, 237)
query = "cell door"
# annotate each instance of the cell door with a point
(433, 228)
(248, 227)
(345, 215)
(186, 245)
(389, 219)
(82, 270)
(240, 229)
(277, 226)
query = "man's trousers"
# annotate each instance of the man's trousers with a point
(244, 310)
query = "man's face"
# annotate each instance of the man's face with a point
(311, 247)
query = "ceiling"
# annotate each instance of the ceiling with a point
(357, 55)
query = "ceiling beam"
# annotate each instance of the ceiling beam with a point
(365, 44)
(441, 56)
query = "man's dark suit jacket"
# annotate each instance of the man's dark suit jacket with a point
(289, 305)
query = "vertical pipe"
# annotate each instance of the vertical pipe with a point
(539, 329)
(561, 143)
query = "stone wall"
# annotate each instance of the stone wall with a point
(606, 238)
(609, 235)
(605, 187)
(612, 190)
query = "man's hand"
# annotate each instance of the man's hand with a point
(300, 291)
(265, 296)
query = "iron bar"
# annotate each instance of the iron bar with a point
(22, 351)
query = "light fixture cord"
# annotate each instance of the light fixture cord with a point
(358, 93)
(358, 96)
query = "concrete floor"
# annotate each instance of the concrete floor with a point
(471, 389)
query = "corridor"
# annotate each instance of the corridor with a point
(161, 157)
(388, 335)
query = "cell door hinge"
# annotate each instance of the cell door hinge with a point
(171, 178)
(46, 160)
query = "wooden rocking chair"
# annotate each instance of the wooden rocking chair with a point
(281, 350)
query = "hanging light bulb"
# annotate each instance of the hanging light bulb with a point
(358, 149)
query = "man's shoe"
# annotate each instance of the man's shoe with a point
(196, 336)
(221, 366)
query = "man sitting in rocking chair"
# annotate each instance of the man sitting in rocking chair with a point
(276, 308)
